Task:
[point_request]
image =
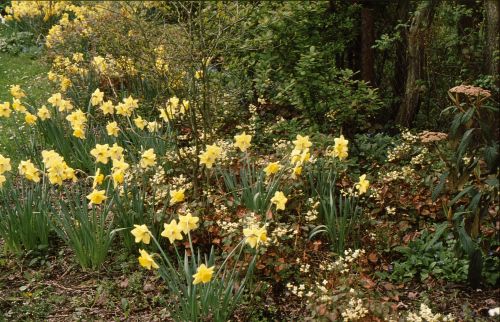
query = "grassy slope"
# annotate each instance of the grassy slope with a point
(30, 73)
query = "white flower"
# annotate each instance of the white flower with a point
(494, 312)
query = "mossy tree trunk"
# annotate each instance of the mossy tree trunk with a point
(419, 26)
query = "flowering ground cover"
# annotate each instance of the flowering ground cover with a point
(157, 162)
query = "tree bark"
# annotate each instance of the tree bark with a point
(420, 23)
(492, 11)
(367, 41)
(400, 67)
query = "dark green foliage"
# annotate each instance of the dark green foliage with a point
(430, 255)
(288, 54)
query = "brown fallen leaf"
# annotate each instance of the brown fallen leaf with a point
(373, 258)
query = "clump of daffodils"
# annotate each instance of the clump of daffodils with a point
(300, 154)
(210, 155)
(57, 169)
(5, 166)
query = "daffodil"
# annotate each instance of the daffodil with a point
(29, 171)
(98, 178)
(203, 274)
(172, 231)
(242, 141)
(176, 196)
(272, 168)
(141, 234)
(107, 108)
(17, 92)
(188, 223)
(100, 153)
(96, 197)
(210, 155)
(279, 200)
(148, 159)
(30, 118)
(43, 113)
(341, 149)
(140, 123)
(2, 180)
(79, 132)
(112, 129)
(254, 235)
(153, 126)
(17, 105)
(302, 142)
(4, 164)
(55, 99)
(146, 260)
(5, 109)
(115, 152)
(363, 184)
(97, 97)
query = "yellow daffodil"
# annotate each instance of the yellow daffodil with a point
(123, 109)
(4, 164)
(65, 105)
(112, 129)
(242, 141)
(198, 74)
(17, 92)
(363, 184)
(302, 142)
(118, 171)
(148, 159)
(5, 109)
(210, 155)
(79, 132)
(107, 108)
(97, 97)
(176, 196)
(299, 157)
(98, 178)
(100, 153)
(17, 105)
(297, 171)
(203, 274)
(29, 171)
(272, 168)
(279, 200)
(341, 149)
(30, 118)
(96, 197)
(153, 126)
(141, 234)
(2, 180)
(254, 235)
(172, 231)
(131, 102)
(188, 223)
(43, 113)
(55, 99)
(115, 152)
(140, 123)
(146, 260)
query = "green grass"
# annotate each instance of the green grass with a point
(29, 72)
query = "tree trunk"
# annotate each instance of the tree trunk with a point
(420, 23)
(400, 67)
(492, 10)
(367, 41)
